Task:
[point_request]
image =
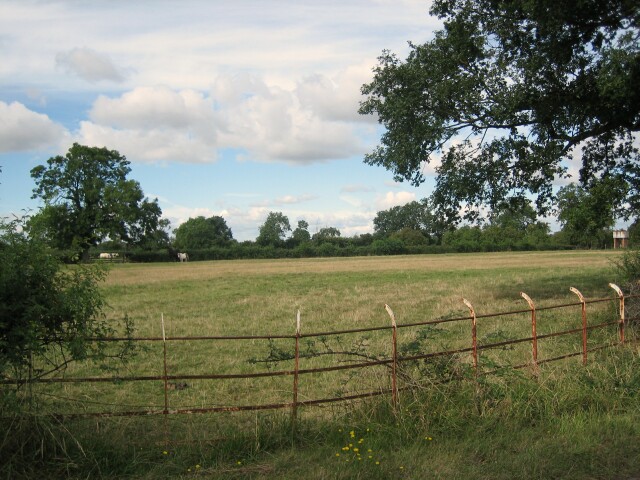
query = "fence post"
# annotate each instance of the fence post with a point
(166, 384)
(473, 334)
(296, 368)
(534, 334)
(394, 362)
(164, 354)
(621, 297)
(584, 324)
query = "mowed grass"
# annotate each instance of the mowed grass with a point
(566, 421)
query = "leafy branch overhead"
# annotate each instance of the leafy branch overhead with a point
(505, 94)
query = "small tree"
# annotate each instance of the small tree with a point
(301, 234)
(201, 232)
(326, 234)
(274, 230)
(587, 215)
(48, 313)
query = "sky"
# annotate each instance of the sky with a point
(230, 108)
(223, 108)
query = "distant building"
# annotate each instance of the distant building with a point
(620, 239)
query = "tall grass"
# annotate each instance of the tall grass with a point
(565, 421)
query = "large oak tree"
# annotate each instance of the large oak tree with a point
(87, 198)
(506, 93)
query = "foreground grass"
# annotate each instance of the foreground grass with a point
(568, 422)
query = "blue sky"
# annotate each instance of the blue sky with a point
(223, 108)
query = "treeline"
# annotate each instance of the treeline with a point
(91, 207)
(412, 228)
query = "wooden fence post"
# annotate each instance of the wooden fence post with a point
(473, 334)
(534, 335)
(394, 354)
(621, 297)
(294, 409)
(584, 323)
(166, 385)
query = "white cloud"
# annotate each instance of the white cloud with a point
(338, 97)
(270, 123)
(156, 107)
(89, 65)
(355, 188)
(22, 129)
(393, 199)
(154, 125)
(150, 146)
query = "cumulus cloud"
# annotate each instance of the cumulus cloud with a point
(22, 129)
(337, 97)
(154, 145)
(263, 122)
(155, 124)
(89, 65)
(393, 199)
(271, 124)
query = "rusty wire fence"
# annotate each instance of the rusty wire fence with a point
(408, 356)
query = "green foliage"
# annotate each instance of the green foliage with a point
(414, 215)
(523, 84)
(325, 234)
(274, 230)
(628, 266)
(201, 233)
(301, 234)
(48, 312)
(88, 198)
(587, 215)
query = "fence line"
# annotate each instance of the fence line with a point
(393, 363)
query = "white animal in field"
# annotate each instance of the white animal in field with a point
(108, 256)
(183, 257)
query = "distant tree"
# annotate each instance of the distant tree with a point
(200, 233)
(410, 237)
(465, 239)
(515, 224)
(325, 234)
(505, 93)
(586, 215)
(274, 230)
(301, 233)
(88, 198)
(413, 215)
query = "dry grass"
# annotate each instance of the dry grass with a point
(262, 297)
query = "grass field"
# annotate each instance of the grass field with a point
(569, 421)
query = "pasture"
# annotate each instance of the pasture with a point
(439, 431)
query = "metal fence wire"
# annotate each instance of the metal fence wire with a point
(476, 352)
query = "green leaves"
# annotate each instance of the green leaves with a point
(504, 94)
(88, 198)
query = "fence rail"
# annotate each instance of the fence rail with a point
(392, 363)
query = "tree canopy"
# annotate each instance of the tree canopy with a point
(414, 215)
(508, 92)
(88, 198)
(47, 312)
(274, 230)
(586, 215)
(201, 232)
